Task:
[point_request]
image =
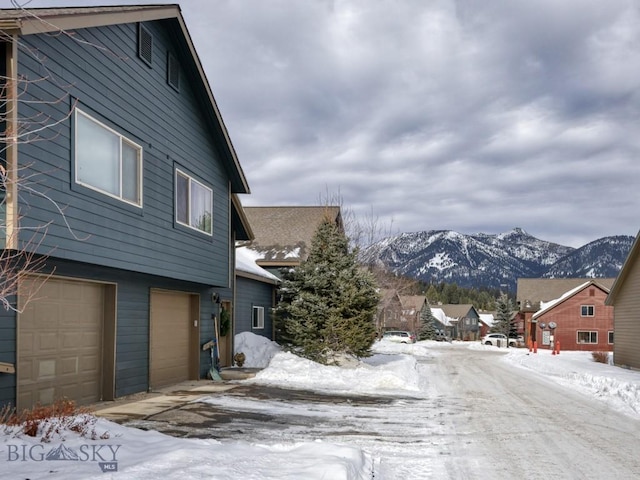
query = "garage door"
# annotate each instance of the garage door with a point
(170, 338)
(60, 342)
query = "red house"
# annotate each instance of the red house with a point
(582, 320)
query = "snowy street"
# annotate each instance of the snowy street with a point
(424, 411)
(473, 416)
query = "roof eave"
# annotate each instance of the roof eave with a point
(47, 21)
(624, 272)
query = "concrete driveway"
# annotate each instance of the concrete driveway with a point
(177, 410)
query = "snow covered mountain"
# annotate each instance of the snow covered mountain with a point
(494, 260)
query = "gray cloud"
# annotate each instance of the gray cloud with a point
(464, 115)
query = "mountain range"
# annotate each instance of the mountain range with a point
(494, 261)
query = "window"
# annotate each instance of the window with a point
(194, 203)
(173, 72)
(106, 161)
(587, 337)
(610, 338)
(587, 310)
(257, 318)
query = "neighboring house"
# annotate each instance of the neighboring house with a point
(486, 322)
(389, 315)
(624, 296)
(255, 295)
(532, 292)
(141, 163)
(583, 320)
(443, 323)
(465, 320)
(283, 235)
(412, 306)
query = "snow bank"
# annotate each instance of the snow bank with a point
(617, 387)
(258, 350)
(389, 374)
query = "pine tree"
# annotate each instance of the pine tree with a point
(427, 323)
(328, 303)
(503, 315)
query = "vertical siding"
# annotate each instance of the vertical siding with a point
(117, 88)
(627, 320)
(250, 293)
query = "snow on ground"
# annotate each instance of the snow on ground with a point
(390, 371)
(257, 349)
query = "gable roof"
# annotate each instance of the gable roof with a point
(456, 311)
(631, 260)
(545, 307)
(441, 317)
(415, 302)
(283, 234)
(31, 21)
(487, 318)
(532, 291)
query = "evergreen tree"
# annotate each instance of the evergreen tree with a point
(427, 323)
(328, 303)
(503, 315)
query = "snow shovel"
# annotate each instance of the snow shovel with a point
(213, 373)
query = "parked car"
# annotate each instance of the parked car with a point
(399, 336)
(442, 337)
(495, 338)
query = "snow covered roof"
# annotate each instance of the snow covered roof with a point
(487, 318)
(246, 263)
(546, 306)
(439, 314)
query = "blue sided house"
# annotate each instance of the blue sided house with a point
(119, 204)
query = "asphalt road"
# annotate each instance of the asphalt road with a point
(480, 418)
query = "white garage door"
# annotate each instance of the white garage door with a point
(60, 342)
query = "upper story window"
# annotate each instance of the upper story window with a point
(107, 161)
(587, 310)
(194, 203)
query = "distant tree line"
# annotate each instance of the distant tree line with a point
(444, 293)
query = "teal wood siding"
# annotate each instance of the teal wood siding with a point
(7, 354)
(250, 293)
(120, 90)
(132, 324)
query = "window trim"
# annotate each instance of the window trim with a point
(591, 333)
(589, 308)
(610, 337)
(259, 325)
(190, 179)
(122, 138)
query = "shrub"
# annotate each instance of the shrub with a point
(51, 420)
(600, 357)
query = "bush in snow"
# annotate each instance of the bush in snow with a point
(49, 421)
(328, 303)
(600, 357)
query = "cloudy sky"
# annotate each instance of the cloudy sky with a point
(462, 115)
